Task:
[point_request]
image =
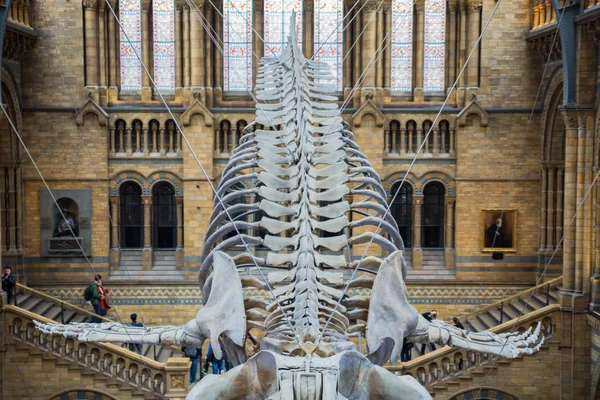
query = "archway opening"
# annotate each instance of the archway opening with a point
(132, 215)
(433, 215)
(164, 218)
(402, 211)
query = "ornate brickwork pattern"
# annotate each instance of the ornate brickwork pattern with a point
(435, 37)
(329, 37)
(131, 44)
(237, 45)
(402, 39)
(277, 24)
(164, 44)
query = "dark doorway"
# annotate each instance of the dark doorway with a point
(402, 211)
(433, 215)
(165, 219)
(132, 216)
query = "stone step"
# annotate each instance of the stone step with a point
(42, 307)
(163, 262)
(171, 267)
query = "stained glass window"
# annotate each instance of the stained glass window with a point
(402, 39)
(329, 42)
(164, 44)
(277, 24)
(131, 66)
(435, 36)
(237, 45)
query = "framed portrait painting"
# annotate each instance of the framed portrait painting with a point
(498, 230)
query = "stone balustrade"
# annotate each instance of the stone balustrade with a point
(448, 363)
(20, 12)
(400, 142)
(168, 380)
(592, 3)
(542, 13)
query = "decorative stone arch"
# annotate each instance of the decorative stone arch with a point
(11, 85)
(91, 107)
(473, 108)
(483, 393)
(125, 176)
(197, 108)
(552, 100)
(394, 177)
(448, 182)
(368, 108)
(165, 176)
(78, 393)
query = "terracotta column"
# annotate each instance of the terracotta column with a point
(417, 251)
(474, 22)
(550, 211)
(186, 47)
(570, 187)
(114, 240)
(145, 149)
(179, 5)
(113, 49)
(11, 223)
(452, 21)
(91, 42)
(387, 54)
(19, 208)
(543, 210)
(219, 58)
(369, 45)
(179, 254)
(419, 46)
(595, 303)
(449, 251)
(258, 46)
(147, 252)
(559, 206)
(379, 20)
(3, 235)
(197, 50)
(102, 44)
(308, 32)
(462, 52)
(146, 50)
(209, 49)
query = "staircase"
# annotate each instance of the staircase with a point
(164, 267)
(434, 266)
(64, 313)
(453, 366)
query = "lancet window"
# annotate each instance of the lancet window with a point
(131, 44)
(435, 47)
(237, 45)
(402, 45)
(277, 24)
(329, 37)
(163, 17)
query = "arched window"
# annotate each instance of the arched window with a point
(277, 24)
(153, 137)
(435, 47)
(329, 38)
(402, 211)
(163, 16)
(393, 139)
(120, 132)
(171, 143)
(136, 139)
(223, 140)
(444, 136)
(239, 132)
(131, 44)
(411, 132)
(132, 215)
(402, 40)
(428, 148)
(433, 215)
(164, 219)
(237, 45)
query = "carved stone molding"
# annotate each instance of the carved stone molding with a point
(90, 4)
(475, 6)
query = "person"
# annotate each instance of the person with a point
(429, 316)
(99, 300)
(495, 235)
(9, 281)
(193, 353)
(406, 354)
(218, 366)
(67, 225)
(456, 323)
(137, 347)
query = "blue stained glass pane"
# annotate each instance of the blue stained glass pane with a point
(164, 44)
(277, 24)
(402, 39)
(131, 38)
(435, 48)
(237, 45)
(329, 42)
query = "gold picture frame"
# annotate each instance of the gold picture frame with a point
(505, 235)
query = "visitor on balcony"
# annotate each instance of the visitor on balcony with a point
(137, 347)
(194, 354)
(218, 365)
(98, 299)
(9, 281)
(429, 316)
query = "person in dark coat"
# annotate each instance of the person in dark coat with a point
(194, 354)
(9, 282)
(456, 323)
(429, 316)
(137, 347)
(406, 354)
(218, 366)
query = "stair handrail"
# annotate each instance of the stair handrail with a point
(440, 365)
(498, 303)
(62, 303)
(103, 358)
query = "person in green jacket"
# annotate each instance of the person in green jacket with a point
(97, 297)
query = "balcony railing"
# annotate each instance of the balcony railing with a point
(401, 142)
(20, 12)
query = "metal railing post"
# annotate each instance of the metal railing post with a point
(547, 294)
(62, 313)
(501, 312)
(154, 350)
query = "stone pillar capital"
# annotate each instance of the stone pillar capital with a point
(90, 4)
(475, 6)
(418, 199)
(146, 199)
